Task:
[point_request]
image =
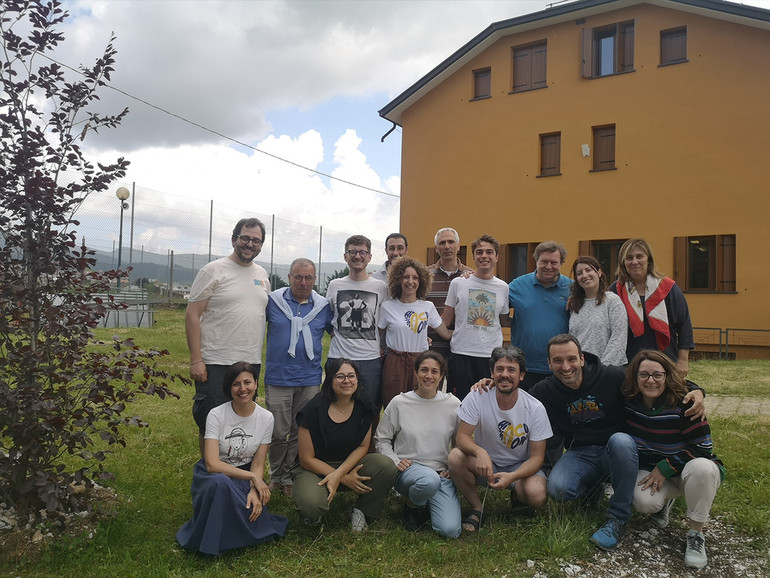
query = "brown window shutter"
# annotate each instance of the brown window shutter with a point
(539, 65)
(726, 263)
(522, 69)
(584, 248)
(586, 52)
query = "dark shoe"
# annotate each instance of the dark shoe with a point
(411, 519)
(472, 521)
(660, 519)
(608, 536)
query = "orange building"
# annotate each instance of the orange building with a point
(600, 120)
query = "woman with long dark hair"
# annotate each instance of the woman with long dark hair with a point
(335, 430)
(597, 317)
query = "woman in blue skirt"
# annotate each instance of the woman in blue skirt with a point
(229, 493)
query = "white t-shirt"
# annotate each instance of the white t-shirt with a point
(407, 324)
(233, 325)
(421, 430)
(478, 304)
(356, 305)
(505, 434)
(239, 437)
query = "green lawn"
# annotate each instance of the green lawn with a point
(153, 475)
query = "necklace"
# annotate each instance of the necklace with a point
(342, 411)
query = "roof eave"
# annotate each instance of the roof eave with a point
(727, 11)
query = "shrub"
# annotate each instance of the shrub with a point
(60, 393)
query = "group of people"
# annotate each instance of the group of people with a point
(555, 414)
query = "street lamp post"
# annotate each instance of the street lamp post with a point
(122, 193)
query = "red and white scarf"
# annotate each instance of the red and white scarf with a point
(654, 305)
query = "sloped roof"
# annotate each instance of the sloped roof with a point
(727, 11)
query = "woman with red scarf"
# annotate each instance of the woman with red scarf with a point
(658, 316)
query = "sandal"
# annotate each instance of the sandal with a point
(472, 521)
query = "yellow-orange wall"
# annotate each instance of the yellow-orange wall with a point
(692, 152)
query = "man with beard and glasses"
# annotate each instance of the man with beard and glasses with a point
(501, 439)
(225, 318)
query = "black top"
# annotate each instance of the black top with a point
(590, 414)
(334, 442)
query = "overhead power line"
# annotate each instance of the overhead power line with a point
(231, 139)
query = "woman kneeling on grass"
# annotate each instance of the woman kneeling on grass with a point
(416, 432)
(335, 429)
(675, 454)
(229, 493)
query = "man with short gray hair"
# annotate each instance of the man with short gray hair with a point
(539, 303)
(448, 267)
(297, 318)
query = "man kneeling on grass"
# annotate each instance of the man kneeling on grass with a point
(501, 439)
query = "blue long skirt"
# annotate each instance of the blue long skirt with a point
(220, 519)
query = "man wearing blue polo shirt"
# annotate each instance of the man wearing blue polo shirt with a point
(539, 302)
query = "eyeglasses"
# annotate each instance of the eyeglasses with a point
(345, 376)
(656, 375)
(353, 253)
(305, 278)
(245, 239)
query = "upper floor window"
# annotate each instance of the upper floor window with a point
(550, 154)
(608, 49)
(604, 147)
(482, 83)
(705, 263)
(529, 66)
(673, 46)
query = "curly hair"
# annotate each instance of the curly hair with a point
(622, 274)
(577, 295)
(676, 388)
(396, 274)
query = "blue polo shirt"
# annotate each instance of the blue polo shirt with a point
(280, 367)
(539, 314)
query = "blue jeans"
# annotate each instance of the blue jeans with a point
(581, 469)
(421, 485)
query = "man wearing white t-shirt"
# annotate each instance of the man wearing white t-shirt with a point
(478, 307)
(501, 439)
(355, 301)
(225, 318)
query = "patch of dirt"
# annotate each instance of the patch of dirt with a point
(648, 552)
(29, 537)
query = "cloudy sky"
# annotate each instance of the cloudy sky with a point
(302, 80)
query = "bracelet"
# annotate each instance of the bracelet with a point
(197, 362)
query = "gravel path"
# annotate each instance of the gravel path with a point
(733, 405)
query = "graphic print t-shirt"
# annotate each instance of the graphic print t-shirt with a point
(356, 306)
(407, 324)
(478, 304)
(239, 437)
(505, 434)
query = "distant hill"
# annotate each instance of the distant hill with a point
(186, 265)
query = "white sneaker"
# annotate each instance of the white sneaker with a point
(660, 518)
(695, 553)
(358, 520)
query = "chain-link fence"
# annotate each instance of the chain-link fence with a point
(167, 238)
